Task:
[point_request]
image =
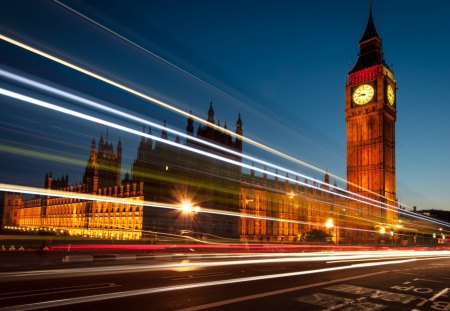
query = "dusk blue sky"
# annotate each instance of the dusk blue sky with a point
(281, 64)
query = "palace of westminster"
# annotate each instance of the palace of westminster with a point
(247, 206)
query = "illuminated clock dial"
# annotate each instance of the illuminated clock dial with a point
(363, 94)
(390, 94)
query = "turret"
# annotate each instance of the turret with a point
(48, 180)
(211, 113)
(326, 178)
(149, 143)
(190, 124)
(118, 162)
(164, 132)
(119, 149)
(100, 145)
(92, 152)
(141, 148)
(239, 131)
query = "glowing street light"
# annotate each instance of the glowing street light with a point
(188, 207)
(382, 230)
(329, 224)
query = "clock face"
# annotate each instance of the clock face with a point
(363, 94)
(390, 94)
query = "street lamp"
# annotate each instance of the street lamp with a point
(329, 224)
(188, 211)
(188, 207)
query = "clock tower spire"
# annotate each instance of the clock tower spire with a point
(370, 116)
(370, 46)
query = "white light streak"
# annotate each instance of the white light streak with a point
(90, 118)
(248, 140)
(181, 112)
(128, 116)
(123, 294)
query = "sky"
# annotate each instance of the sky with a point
(281, 64)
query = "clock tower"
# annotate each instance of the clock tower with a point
(370, 113)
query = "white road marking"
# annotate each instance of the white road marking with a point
(373, 293)
(146, 291)
(276, 292)
(335, 302)
(442, 292)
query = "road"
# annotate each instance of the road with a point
(314, 281)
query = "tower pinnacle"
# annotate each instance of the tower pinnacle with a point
(211, 112)
(370, 46)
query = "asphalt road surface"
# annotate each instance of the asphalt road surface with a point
(251, 283)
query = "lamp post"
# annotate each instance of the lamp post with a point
(329, 224)
(189, 210)
(382, 232)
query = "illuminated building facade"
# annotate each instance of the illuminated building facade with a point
(370, 112)
(301, 207)
(10, 204)
(81, 217)
(298, 208)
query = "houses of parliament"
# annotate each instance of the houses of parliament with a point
(233, 203)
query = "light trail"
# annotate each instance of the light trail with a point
(140, 47)
(345, 256)
(131, 293)
(91, 197)
(65, 159)
(179, 111)
(261, 146)
(94, 104)
(90, 118)
(40, 155)
(128, 116)
(134, 44)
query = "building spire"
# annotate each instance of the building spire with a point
(370, 46)
(211, 112)
(190, 124)
(164, 131)
(370, 31)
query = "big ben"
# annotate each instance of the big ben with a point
(371, 109)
